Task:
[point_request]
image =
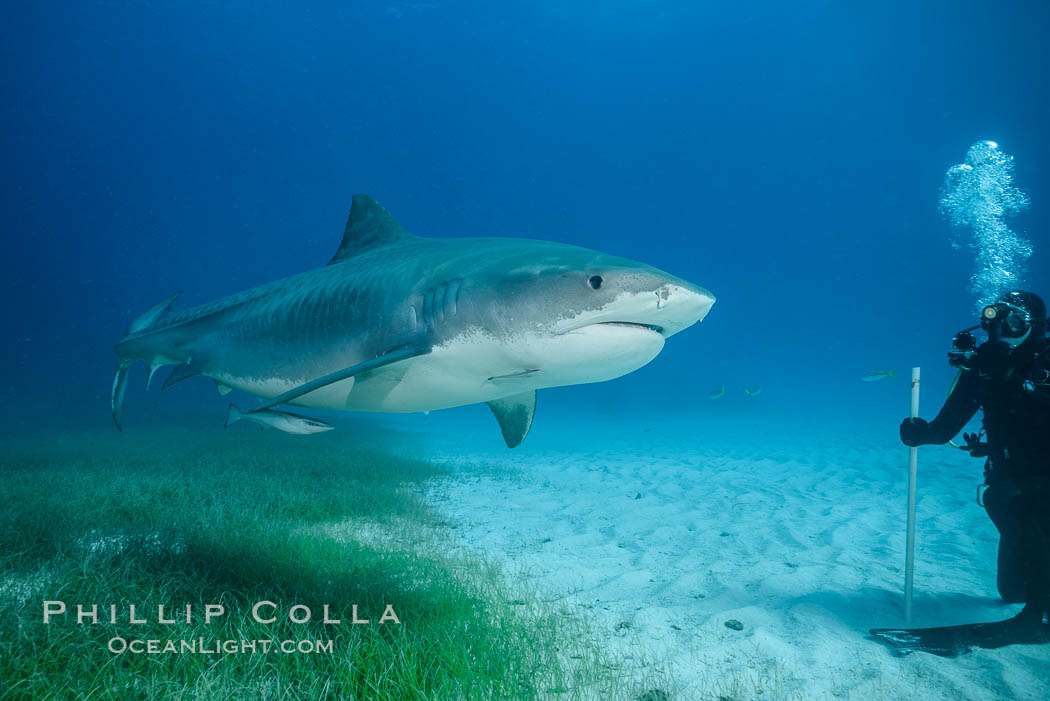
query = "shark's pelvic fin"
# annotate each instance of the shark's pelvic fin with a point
(514, 414)
(223, 389)
(181, 372)
(153, 314)
(368, 226)
(393, 356)
(116, 399)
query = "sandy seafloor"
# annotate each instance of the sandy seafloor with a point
(661, 529)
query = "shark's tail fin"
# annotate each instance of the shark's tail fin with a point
(889, 373)
(233, 415)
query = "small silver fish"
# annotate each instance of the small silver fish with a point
(514, 375)
(752, 393)
(717, 393)
(281, 420)
(876, 376)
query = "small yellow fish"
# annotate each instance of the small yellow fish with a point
(717, 393)
(876, 376)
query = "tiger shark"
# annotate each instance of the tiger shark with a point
(400, 323)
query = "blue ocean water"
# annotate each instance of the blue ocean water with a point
(787, 156)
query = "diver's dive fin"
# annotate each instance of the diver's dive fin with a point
(951, 641)
(223, 388)
(116, 399)
(396, 355)
(151, 316)
(514, 414)
(180, 373)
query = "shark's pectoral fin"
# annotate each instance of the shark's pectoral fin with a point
(514, 414)
(116, 399)
(393, 356)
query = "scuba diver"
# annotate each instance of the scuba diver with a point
(1008, 377)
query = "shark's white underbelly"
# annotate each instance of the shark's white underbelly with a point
(478, 368)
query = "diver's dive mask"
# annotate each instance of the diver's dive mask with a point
(1003, 322)
(1007, 323)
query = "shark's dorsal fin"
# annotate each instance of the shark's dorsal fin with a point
(514, 414)
(368, 226)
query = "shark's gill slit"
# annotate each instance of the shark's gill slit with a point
(439, 301)
(454, 287)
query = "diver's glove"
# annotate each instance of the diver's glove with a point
(914, 432)
(976, 448)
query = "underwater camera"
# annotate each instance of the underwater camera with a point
(963, 350)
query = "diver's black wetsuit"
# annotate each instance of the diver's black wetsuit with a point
(1013, 388)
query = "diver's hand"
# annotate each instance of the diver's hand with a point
(914, 432)
(974, 445)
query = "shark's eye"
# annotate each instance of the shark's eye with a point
(595, 281)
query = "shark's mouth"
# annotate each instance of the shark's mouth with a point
(650, 327)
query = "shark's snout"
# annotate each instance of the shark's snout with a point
(679, 305)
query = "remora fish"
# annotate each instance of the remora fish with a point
(876, 376)
(399, 323)
(281, 420)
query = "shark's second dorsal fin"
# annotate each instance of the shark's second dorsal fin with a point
(368, 226)
(153, 315)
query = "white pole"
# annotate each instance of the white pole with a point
(913, 461)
